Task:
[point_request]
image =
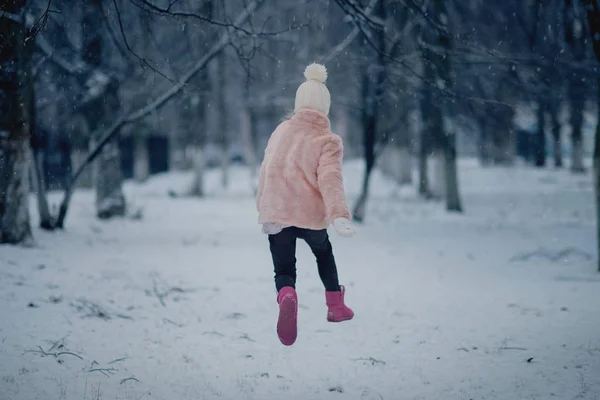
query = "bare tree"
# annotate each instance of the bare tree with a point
(540, 142)
(100, 104)
(221, 110)
(396, 157)
(593, 16)
(15, 123)
(200, 104)
(427, 129)
(124, 120)
(139, 131)
(536, 43)
(372, 92)
(436, 51)
(37, 143)
(248, 131)
(554, 110)
(575, 37)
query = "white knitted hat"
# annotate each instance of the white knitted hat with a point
(313, 93)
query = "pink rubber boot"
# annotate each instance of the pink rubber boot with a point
(337, 310)
(287, 325)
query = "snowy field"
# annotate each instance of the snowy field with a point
(500, 303)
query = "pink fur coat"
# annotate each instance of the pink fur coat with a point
(300, 182)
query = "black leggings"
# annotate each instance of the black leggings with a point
(283, 251)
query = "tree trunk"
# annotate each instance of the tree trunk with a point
(247, 130)
(437, 167)
(38, 143)
(540, 142)
(402, 152)
(430, 127)
(437, 188)
(37, 171)
(141, 158)
(482, 119)
(453, 202)
(442, 108)
(423, 172)
(577, 106)
(197, 188)
(556, 139)
(575, 37)
(101, 104)
(341, 122)
(198, 164)
(110, 201)
(435, 106)
(201, 103)
(78, 156)
(425, 140)
(405, 157)
(503, 142)
(372, 92)
(15, 125)
(593, 16)
(504, 128)
(597, 171)
(361, 202)
(222, 119)
(369, 119)
(484, 145)
(176, 147)
(577, 102)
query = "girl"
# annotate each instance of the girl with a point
(300, 193)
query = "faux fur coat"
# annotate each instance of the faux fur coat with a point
(300, 182)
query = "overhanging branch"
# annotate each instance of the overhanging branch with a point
(122, 121)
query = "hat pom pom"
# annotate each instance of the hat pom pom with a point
(316, 72)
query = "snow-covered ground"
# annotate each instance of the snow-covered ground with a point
(500, 303)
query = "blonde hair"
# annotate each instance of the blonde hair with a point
(313, 93)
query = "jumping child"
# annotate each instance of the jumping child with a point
(300, 193)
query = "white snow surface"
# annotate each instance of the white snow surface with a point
(502, 302)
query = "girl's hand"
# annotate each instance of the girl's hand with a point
(343, 227)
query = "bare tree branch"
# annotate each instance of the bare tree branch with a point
(147, 5)
(143, 61)
(41, 22)
(358, 14)
(65, 65)
(112, 34)
(350, 38)
(122, 121)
